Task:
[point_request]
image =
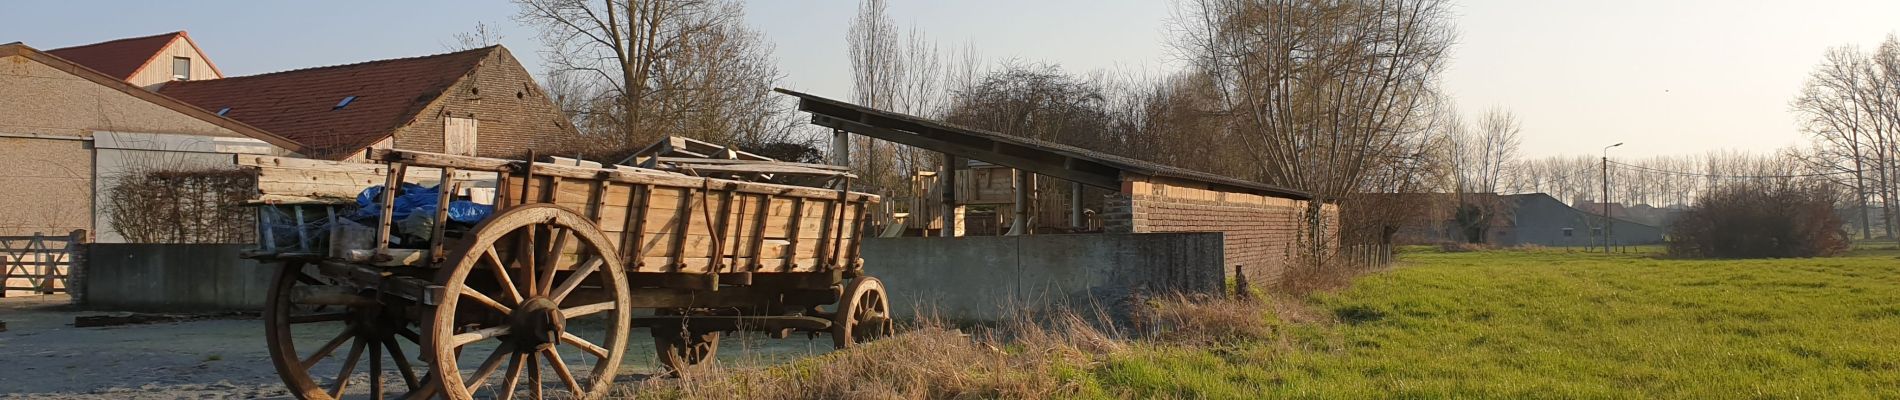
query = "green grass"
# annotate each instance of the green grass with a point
(1560, 324)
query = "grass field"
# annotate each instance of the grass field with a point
(1552, 324)
(1493, 324)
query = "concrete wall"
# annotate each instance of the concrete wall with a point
(1262, 233)
(171, 277)
(983, 278)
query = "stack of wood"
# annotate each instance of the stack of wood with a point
(697, 158)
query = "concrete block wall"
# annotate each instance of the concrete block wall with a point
(989, 278)
(171, 277)
(1262, 233)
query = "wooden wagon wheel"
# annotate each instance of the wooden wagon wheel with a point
(539, 306)
(679, 349)
(378, 328)
(864, 313)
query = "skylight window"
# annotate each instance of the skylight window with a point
(223, 111)
(346, 102)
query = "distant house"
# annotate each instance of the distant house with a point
(146, 62)
(1528, 219)
(1540, 219)
(68, 130)
(477, 102)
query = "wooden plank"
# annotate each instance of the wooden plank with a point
(798, 209)
(636, 218)
(437, 241)
(758, 232)
(716, 161)
(685, 216)
(384, 226)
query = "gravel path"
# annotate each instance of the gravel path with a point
(42, 356)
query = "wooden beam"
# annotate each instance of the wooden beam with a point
(1055, 169)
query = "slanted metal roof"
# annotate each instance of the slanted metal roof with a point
(1067, 162)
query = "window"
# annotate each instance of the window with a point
(1596, 231)
(1568, 232)
(181, 68)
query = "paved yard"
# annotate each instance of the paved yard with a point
(45, 357)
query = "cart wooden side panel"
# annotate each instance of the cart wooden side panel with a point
(711, 227)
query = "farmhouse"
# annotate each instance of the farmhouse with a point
(75, 120)
(477, 102)
(69, 129)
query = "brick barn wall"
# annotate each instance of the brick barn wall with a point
(1261, 233)
(515, 114)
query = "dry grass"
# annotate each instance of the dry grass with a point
(1035, 356)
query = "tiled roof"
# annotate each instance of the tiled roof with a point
(304, 104)
(118, 58)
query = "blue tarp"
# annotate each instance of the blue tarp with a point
(417, 199)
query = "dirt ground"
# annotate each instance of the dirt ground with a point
(42, 356)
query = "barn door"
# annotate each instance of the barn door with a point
(458, 136)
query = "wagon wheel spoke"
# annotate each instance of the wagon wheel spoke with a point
(402, 363)
(513, 377)
(534, 376)
(590, 347)
(550, 261)
(575, 279)
(501, 275)
(489, 366)
(486, 301)
(329, 347)
(413, 337)
(477, 335)
(324, 317)
(349, 366)
(560, 369)
(590, 309)
(375, 371)
(524, 259)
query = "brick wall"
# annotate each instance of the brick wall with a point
(515, 114)
(1261, 233)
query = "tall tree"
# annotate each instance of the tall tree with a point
(667, 67)
(1323, 93)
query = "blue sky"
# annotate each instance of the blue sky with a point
(1668, 77)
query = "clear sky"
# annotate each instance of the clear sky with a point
(1668, 77)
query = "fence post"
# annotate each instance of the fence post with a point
(77, 247)
(1241, 289)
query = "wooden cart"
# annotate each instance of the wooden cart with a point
(537, 299)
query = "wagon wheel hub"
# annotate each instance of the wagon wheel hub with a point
(537, 324)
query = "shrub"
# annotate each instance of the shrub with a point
(1760, 221)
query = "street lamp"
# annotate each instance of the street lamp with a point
(1605, 202)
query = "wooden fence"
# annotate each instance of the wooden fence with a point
(1366, 255)
(38, 264)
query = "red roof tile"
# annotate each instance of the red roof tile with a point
(118, 58)
(302, 104)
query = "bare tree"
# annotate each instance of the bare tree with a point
(1322, 93)
(475, 39)
(671, 67)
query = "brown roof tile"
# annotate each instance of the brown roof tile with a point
(118, 58)
(301, 104)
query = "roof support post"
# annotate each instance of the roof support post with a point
(841, 147)
(1075, 206)
(1019, 219)
(952, 213)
